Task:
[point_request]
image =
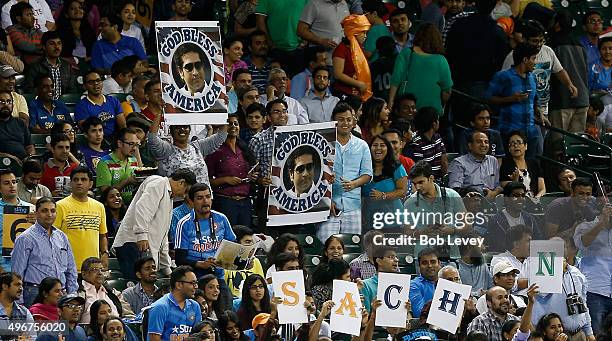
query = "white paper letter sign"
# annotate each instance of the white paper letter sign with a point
(546, 265)
(447, 305)
(393, 290)
(346, 313)
(289, 285)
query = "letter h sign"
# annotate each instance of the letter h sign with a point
(445, 300)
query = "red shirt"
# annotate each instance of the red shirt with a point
(224, 162)
(344, 51)
(150, 115)
(50, 172)
(407, 163)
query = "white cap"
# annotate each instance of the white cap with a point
(504, 267)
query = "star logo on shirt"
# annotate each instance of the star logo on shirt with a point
(175, 330)
(196, 241)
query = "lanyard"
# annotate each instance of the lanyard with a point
(211, 226)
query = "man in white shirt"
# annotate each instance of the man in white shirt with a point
(43, 18)
(518, 238)
(147, 221)
(120, 81)
(277, 86)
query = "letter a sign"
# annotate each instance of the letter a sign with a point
(546, 265)
(447, 305)
(346, 313)
(393, 291)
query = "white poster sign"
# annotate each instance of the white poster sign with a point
(546, 265)
(289, 285)
(345, 316)
(393, 290)
(447, 305)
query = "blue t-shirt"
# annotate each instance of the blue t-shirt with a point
(107, 113)
(45, 119)
(105, 53)
(517, 115)
(600, 78)
(204, 247)
(167, 319)
(386, 185)
(92, 157)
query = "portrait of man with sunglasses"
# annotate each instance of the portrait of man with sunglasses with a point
(302, 168)
(192, 66)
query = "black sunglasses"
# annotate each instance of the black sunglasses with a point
(308, 167)
(189, 67)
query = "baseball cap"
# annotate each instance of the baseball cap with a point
(504, 267)
(64, 300)
(259, 319)
(140, 120)
(7, 71)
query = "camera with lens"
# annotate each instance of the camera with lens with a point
(574, 304)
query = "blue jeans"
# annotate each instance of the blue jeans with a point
(127, 254)
(238, 212)
(29, 295)
(599, 307)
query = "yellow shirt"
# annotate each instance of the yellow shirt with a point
(83, 223)
(234, 278)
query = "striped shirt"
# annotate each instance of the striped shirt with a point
(431, 151)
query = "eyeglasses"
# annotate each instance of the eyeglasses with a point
(234, 123)
(8, 101)
(595, 21)
(305, 167)
(189, 67)
(255, 287)
(74, 306)
(71, 131)
(516, 143)
(278, 112)
(194, 283)
(94, 81)
(100, 270)
(131, 144)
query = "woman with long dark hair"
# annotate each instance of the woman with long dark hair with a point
(77, 34)
(389, 185)
(285, 243)
(375, 118)
(232, 52)
(322, 285)
(229, 327)
(214, 300)
(115, 209)
(423, 70)
(255, 300)
(228, 168)
(114, 329)
(99, 312)
(45, 304)
(516, 168)
(63, 127)
(332, 249)
(551, 327)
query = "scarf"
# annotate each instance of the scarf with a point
(45, 312)
(353, 25)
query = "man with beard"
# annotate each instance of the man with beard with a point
(475, 171)
(242, 79)
(59, 167)
(422, 288)
(319, 102)
(117, 169)
(564, 214)
(504, 275)
(11, 287)
(172, 316)
(512, 215)
(258, 61)
(199, 234)
(189, 62)
(141, 295)
(301, 171)
(564, 181)
(95, 104)
(19, 105)
(493, 319)
(29, 186)
(23, 34)
(473, 270)
(400, 25)
(181, 9)
(70, 307)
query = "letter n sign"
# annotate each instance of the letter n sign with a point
(445, 300)
(549, 263)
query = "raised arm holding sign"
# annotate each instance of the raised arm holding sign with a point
(546, 264)
(289, 286)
